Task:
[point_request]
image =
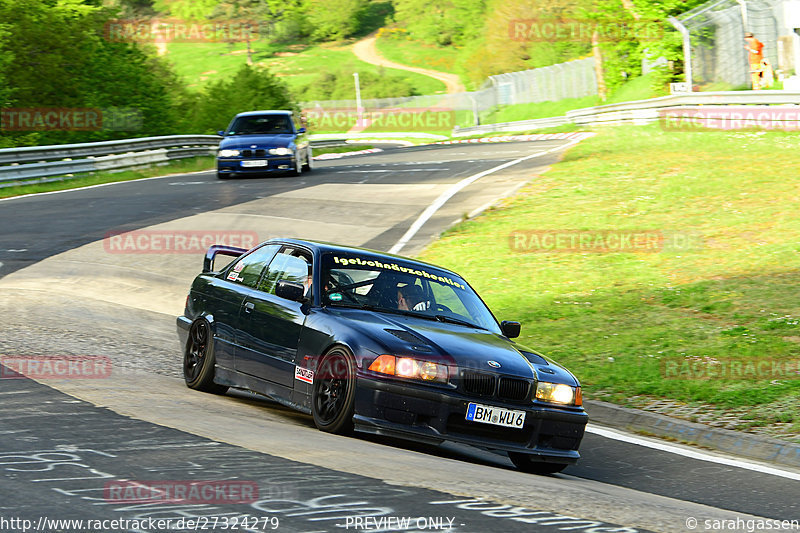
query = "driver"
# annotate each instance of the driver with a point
(410, 298)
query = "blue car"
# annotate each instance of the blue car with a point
(258, 142)
(377, 343)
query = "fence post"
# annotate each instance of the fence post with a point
(687, 50)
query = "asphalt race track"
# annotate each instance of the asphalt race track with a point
(65, 290)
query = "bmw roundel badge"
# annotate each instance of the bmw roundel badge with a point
(493, 364)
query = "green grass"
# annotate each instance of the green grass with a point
(616, 319)
(638, 88)
(342, 149)
(296, 64)
(396, 47)
(179, 166)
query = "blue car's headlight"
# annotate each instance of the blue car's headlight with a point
(228, 153)
(280, 151)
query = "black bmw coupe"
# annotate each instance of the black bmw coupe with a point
(377, 343)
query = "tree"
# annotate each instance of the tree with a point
(251, 88)
(445, 22)
(61, 58)
(186, 9)
(333, 20)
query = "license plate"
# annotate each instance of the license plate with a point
(497, 416)
(255, 163)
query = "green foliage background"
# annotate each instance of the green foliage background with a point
(56, 54)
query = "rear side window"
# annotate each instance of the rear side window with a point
(248, 269)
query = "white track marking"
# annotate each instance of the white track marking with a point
(449, 193)
(103, 185)
(395, 170)
(692, 454)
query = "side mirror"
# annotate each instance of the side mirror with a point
(510, 329)
(301, 130)
(221, 133)
(290, 290)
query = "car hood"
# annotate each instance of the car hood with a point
(261, 141)
(469, 348)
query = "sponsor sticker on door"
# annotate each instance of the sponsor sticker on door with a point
(304, 374)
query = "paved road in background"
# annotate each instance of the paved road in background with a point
(44, 225)
(40, 226)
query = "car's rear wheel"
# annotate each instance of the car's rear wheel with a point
(198, 359)
(528, 463)
(334, 391)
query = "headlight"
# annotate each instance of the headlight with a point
(280, 151)
(558, 393)
(406, 367)
(228, 153)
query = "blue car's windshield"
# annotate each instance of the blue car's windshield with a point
(386, 284)
(261, 125)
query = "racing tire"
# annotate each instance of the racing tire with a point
(223, 176)
(307, 167)
(199, 360)
(334, 391)
(527, 463)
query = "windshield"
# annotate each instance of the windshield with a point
(261, 124)
(353, 280)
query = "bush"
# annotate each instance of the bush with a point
(340, 85)
(249, 90)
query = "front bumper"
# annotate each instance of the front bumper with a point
(426, 414)
(234, 166)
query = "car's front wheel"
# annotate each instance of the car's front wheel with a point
(309, 156)
(528, 463)
(298, 165)
(334, 391)
(199, 360)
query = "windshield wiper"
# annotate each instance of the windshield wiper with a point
(454, 320)
(355, 305)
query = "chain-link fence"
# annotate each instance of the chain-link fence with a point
(573, 79)
(717, 31)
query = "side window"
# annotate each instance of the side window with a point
(446, 296)
(248, 269)
(287, 265)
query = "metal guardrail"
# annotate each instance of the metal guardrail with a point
(640, 111)
(63, 151)
(520, 125)
(59, 160)
(63, 159)
(40, 162)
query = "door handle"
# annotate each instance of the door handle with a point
(249, 306)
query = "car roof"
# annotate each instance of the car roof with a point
(265, 112)
(322, 247)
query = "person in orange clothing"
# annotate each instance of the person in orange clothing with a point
(755, 55)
